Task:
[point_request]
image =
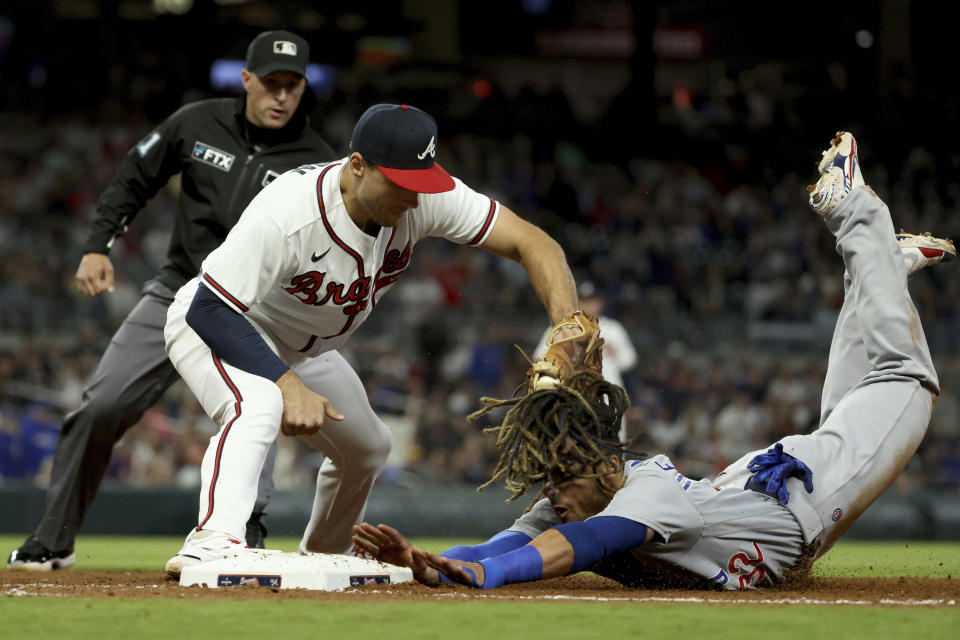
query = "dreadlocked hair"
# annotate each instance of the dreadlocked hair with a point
(567, 429)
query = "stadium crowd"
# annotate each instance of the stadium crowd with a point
(711, 259)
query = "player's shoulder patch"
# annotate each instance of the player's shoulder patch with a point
(148, 143)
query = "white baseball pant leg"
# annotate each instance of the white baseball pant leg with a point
(248, 408)
(877, 424)
(355, 453)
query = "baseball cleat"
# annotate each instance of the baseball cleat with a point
(201, 546)
(839, 174)
(33, 556)
(256, 530)
(922, 250)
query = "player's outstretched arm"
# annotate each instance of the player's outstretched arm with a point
(546, 265)
(386, 544)
(548, 556)
(95, 274)
(504, 541)
(562, 550)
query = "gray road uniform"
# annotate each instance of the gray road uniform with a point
(224, 162)
(878, 395)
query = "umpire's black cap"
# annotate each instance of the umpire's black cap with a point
(278, 51)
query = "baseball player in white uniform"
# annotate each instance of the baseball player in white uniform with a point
(255, 334)
(767, 515)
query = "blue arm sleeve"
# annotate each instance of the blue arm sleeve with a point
(591, 540)
(600, 537)
(501, 543)
(231, 337)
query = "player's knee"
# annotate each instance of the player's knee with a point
(106, 412)
(269, 406)
(377, 449)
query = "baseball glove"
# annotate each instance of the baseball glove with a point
(573, 344)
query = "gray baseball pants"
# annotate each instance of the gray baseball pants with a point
(879, 388)
(132, 374)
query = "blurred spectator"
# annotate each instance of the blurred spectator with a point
(707, 252)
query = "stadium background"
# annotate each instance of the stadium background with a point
(665, 146)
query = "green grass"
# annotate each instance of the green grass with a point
(859, 559)
(38, 618)
(142, 619)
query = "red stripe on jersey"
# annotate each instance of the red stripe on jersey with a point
(349, 323)
(309, 344)
(486, 223)
(323, 216)
(226, 294)
(373, 297)
(223, 437)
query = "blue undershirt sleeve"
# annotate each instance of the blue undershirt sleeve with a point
(498, 544)
(232, 337)
(599, 537)
(591, 540)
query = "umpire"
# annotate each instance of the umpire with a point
(226, 149)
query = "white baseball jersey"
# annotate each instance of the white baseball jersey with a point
(303, 273)
(299, 267)
(734, 538)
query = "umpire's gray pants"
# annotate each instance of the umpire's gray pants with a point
(131, 376)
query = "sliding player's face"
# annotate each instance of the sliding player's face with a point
(575, 499)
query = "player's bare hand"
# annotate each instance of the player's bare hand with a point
(468, 573)
(95, 274)
(304, 411)
(386, 544)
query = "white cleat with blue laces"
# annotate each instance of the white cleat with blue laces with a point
(839, 174)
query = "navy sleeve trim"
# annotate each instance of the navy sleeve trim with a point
(232, 337)
(486, 223)
(226, 294)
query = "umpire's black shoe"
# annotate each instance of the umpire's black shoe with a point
(33, 556)
(256, 530)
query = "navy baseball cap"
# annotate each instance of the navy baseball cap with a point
(278, 51)
(402, 142)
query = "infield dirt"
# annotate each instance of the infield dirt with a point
(903, 591)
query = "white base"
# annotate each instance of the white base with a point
(285, 570)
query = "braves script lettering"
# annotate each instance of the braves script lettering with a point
(306, 287)
(394, 264)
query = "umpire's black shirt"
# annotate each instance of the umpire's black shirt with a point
(224, 160)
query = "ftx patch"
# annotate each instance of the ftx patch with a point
(213, 156)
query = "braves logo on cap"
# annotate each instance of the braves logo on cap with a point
(402, 142)
(431, 149)
(285, 47)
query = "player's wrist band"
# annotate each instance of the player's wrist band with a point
(520, 565)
